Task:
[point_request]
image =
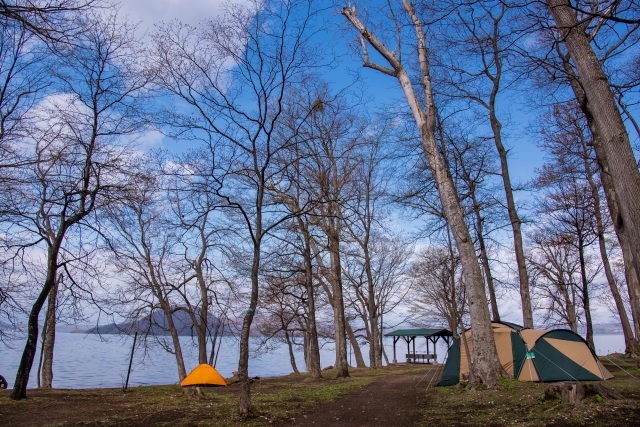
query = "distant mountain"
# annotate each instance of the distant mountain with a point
(155, 324)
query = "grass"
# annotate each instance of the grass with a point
(276, 399)
(523, 404)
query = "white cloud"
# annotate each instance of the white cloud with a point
(149, 12)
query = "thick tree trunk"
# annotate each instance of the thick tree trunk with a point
(607, 121)
(339, 321)
(49, 338)
(485, 357)
(312, 348)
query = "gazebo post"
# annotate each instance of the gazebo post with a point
(395, 340)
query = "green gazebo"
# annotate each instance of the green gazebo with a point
(409, 336)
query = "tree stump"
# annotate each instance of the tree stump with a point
(573, 392)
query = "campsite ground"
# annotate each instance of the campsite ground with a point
(399, 395)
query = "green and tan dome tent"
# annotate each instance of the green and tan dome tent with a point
(559, 355)
(529, 355)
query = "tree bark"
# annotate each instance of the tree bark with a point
(175, 338)
(339, 321)
(311, 336)
(243, 362)
(607, 120)
(50, 338)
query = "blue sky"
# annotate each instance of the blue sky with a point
(517, 114)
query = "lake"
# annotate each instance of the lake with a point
(87, 361)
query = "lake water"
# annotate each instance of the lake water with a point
(87, 361)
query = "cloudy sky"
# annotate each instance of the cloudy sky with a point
(149, 12)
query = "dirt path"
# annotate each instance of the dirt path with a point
(390, 401)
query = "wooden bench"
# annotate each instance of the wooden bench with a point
(421, 358)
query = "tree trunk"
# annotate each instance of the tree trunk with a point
(485, 258)
(523, 275)
(311, 336)
(375, 355)
(50, 338)
(355, 347)
(175, 338)
(339, 321)
(26, 362)
(292, 357)
(485, 360)
(243, 363)
(607, 120)
(586, 304)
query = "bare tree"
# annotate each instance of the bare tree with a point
(568, 207)
(567, 138)
(437, 287)
(554, 264)
(235, 71)
(476, 52)
(423, 108)
(607, 122)
(75, 154)
(51, 21)
(141, 240)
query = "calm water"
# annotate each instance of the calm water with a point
(86, 361)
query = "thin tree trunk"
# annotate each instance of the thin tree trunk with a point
(355, 347)
(175, 338)
(50, 338)
(292, 357)
(243, 363)
(485, 258)
(586, 304)
(375, 355)
(516, 223)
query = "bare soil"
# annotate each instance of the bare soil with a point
(393, 400)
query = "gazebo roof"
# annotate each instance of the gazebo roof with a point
(420, 333)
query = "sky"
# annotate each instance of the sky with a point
(525, 156)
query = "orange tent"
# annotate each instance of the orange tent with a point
(204, 376)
